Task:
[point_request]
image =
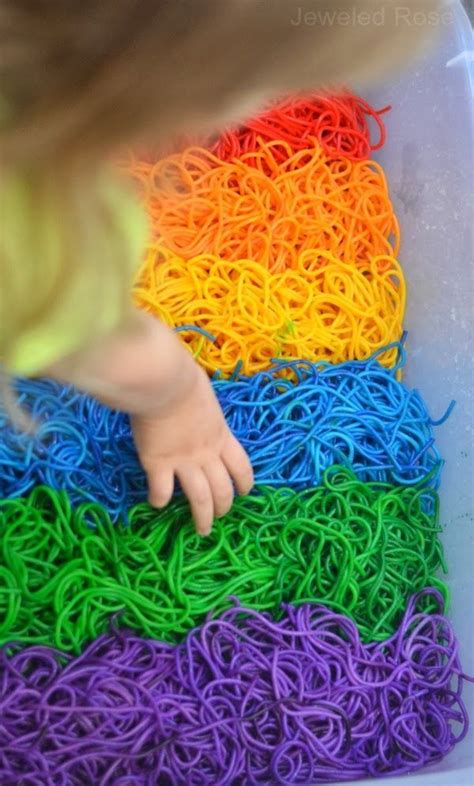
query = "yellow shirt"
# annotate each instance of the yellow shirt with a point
(65, 269)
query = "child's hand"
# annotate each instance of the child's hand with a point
(190, 439)
(178, 425)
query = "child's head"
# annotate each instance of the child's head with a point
(81, 78)
(84, 76)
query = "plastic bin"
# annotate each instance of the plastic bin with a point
(428, 160)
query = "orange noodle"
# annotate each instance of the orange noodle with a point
(201, 205)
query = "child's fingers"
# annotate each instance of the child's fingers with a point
(221, 487)
(160, 486)
(196, 487)
(238, 465)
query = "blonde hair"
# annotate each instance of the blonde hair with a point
(82, 78)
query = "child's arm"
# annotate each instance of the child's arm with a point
(178, 425)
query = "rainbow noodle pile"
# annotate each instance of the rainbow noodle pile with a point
(360, 548)
(275, 258)
(356, 413)
(325, 309)
(244, 701)
(201, 205)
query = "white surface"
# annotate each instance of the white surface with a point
(429, 165)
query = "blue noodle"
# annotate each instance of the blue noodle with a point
(294, 420)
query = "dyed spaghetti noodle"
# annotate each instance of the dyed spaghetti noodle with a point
(293, 428)
(361, 549)
(356, 414)
(325, 309)
(245, 700)
(78, 445)
(201, 205)
(342, 125)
